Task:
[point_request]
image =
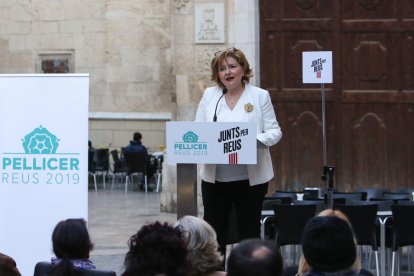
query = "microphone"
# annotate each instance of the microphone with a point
(215, 111)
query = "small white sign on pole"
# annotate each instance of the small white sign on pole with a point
(211, 143)
(43, 161)
(317, 67)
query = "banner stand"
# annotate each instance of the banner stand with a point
(44, 161)
(186, 190)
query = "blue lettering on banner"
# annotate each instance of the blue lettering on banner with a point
(20, 163)
(190, 145)
(40, 163)
(183, 146)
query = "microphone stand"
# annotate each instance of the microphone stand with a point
(215, 111)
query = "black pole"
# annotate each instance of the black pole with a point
(327, 171)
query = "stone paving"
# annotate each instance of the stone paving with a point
(114, 217)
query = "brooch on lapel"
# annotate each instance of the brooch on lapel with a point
(248, 107)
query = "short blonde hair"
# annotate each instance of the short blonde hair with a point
(222, 56)
(201, 240)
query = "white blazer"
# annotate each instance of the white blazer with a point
(268, 130)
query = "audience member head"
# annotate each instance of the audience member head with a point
(137, 137)
(255, 257)
(8, 266)
(71, 241)
(303, 265)
(201, 240)
(328, 244)
(156, 249)
(334, 213)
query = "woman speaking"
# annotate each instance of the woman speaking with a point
(233, 99)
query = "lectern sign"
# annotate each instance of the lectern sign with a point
(211, 143)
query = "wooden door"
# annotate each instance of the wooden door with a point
(369, 106)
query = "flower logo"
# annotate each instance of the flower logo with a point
(190, 137)
(248, 107)
(40, 141)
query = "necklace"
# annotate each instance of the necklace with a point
(232, 100)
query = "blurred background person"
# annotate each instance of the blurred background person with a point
(135, 145)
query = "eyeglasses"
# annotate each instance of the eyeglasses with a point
(231, 49)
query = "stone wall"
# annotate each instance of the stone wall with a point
(145, 67)
(125, 46)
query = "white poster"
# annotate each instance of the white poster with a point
(43, 161)
(211, 143)
(317, 67)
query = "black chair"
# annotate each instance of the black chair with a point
(348, 196)
(283, 199)
(405, 191)
(101, 159)
(402, 230)
(312, 192)
(383, 205)
(369, 193)
(137, 164)
(398, 196)
(335, 201)
(290, 220)
(159, 159)
(267, 227)
(120, 167)
(320, 204)
(292, 195)
(363, 219)
(405, 202)
(46, 269)
(91, 166)
(269, 202)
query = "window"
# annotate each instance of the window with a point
(51, 63)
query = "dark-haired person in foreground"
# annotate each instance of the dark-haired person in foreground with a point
(71, 245)
(328, 246)
(255, 257)
(157, 249)
(8, 266)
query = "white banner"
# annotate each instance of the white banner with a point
(317, 67)
(211, 143)
(44, 161)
